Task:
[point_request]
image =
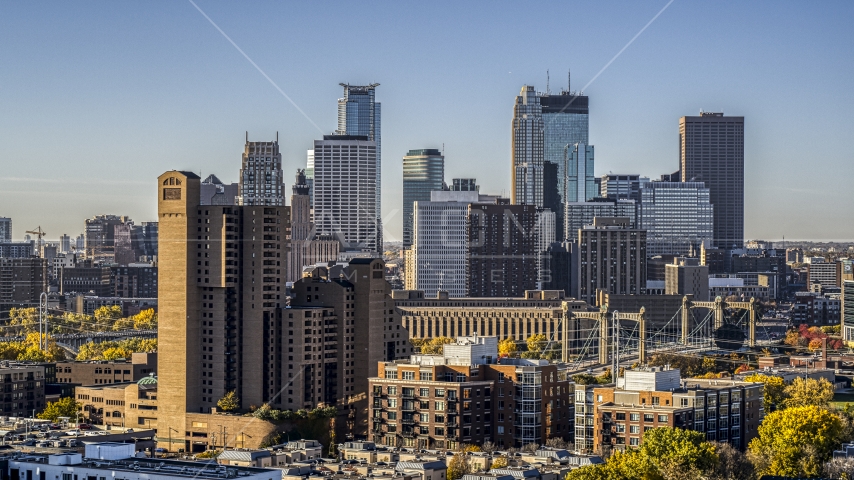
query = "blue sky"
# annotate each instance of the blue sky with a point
(98, 98)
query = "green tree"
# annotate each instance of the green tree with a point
(145, 320)
(435, 346)
(808, 391)
(229, 402)
(64, 407)
(458, 466)
(536, 345)
(773, 392)
(796, 441)
(678, 453)
(507, 347)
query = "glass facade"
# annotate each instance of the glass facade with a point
(527, 149)
(580, 182)
(359, 114)
(423, 172)
(848, 310)
(676, 215)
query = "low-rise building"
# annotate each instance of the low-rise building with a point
(539, 311)
(725, 410)
(816, 309)
(469, 395)
(129, 404)
(23, 387)
(116, 460)
(101, 372)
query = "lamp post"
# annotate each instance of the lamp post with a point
(170, 437)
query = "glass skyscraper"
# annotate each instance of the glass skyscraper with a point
(676, 216)
(423, 172)
(527, 148)
(359, 115)
(580, 182)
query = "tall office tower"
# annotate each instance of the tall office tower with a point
(527, 149)
(546, 236)
(306, 247)
(360, 114)
(440, 243)
(423, 172)
(565, 122)
(685, 276)
(101, 237)
(677, 217)
(464, 185)
(503, 252)
(711, 150)
(579, 214)
(616, 186)
(80, 242)
(64, 243)
(580, 181)
(261, 181)
(345, 200)
(219, 288)
(848, 310)
(214, 192)
(5, 229)
(309, 176)
(612, 258)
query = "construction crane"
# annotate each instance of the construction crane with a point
(39, 233)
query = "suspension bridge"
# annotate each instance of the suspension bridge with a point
(605, 337)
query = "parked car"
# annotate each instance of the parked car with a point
(44, 444)
(84, 426)
(29, 443)
(55, 426)
(160, 450)
(73, 431)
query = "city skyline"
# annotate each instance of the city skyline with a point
(188, 108)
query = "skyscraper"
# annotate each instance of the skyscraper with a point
(612, 258)
(219, 288)
(565, 122)
(345, 200)
(711, 150)
(423, 172)
(5, 229)
(306, 247)
(261, 181)
(616, 186)
(676, 216)
(309, 176)
(359, 114)
(580, 181)
(527, 149)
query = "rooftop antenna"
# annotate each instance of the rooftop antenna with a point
(568, 81)
(277, 136)
(247, 136)
(547, 83)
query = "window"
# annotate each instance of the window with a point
(424, 392)
(426, 376)
(392, 415)
(392, 390)
(634, 441)
(392, 403)
(391, 374)
(439, 406)
(440, 392)
(634, 428)
(621, 416)
(621, 428)
(635, 417)
(662, 418)
(408, 375)
(424, 418)
(648, 417)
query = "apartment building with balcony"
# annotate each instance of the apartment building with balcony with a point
(469, 395)
(725, 410)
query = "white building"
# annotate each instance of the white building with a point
(116, 461)
(345, 191)
(440, 243)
